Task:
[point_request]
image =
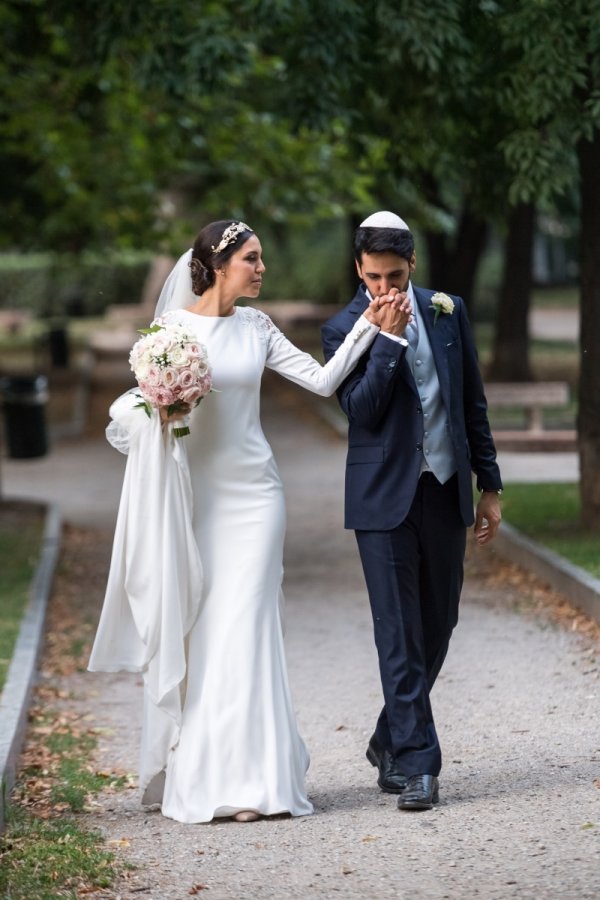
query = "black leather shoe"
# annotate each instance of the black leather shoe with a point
(421, 792)
(391, 780)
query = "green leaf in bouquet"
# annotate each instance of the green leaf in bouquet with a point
(175, 407)
(152, 330)
(143, 404)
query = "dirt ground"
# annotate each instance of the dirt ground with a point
(516, 706)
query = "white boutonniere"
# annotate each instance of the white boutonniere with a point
(441, 303)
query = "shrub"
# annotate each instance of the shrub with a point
(49, 285)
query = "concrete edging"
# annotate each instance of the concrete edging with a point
(577, 585)
(20, 679)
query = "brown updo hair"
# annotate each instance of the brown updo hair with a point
(205, 261)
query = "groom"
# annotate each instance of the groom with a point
(418, 428)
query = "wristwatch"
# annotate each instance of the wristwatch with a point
(490, 491)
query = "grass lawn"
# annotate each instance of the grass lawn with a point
(48, 849)
(47, 858)
(549, 514)
(20, 535)
(557, 297)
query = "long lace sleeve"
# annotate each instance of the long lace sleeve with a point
(296, 365)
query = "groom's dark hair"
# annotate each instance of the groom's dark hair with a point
(383, 240)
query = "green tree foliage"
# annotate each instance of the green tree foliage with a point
(116, 114)
(77, 173)
(553, 89)
(432, 81)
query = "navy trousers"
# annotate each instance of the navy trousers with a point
(414, 577)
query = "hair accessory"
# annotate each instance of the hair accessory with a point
(229, 236)
(384, 219)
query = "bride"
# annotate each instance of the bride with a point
(194, 589)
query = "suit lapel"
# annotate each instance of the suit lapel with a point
(359, 303)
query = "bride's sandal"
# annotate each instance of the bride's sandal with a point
(246, 815)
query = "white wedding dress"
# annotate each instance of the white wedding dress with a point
(235, 743)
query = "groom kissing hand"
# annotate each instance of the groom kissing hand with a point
(418, 429)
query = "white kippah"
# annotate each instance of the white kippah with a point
(384, 219)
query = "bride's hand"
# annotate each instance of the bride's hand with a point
(177, 415)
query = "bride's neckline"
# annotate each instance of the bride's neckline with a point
(231, 315)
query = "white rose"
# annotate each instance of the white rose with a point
(141, 369)
(443, 302)
(178, 356)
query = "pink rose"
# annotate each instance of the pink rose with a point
(163, 397)
(153, 375)
(169, 376)
(149, 392)
(192, 395)
(186, 378)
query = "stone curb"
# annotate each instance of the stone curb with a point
(577, 585)
(15, 698)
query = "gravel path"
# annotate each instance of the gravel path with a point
(516, 707)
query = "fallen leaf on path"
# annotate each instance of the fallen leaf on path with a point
(539, 598)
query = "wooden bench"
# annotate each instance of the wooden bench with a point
(532, 397)
(288, 314)
(109, 351)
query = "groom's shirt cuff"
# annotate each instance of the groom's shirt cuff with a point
(395, 337)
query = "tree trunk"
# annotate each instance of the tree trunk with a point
(437, 259)
(453, 263)
(352, 275)
(436, 242)
(589, 379)
(468, 249)
(510, 359)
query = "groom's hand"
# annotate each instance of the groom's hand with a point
(392, 312)
(487, 517)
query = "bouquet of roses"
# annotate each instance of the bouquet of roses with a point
(171, 368)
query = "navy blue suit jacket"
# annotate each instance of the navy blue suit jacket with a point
(385, 418)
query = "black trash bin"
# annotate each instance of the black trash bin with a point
(24, 400)
(58, 344)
